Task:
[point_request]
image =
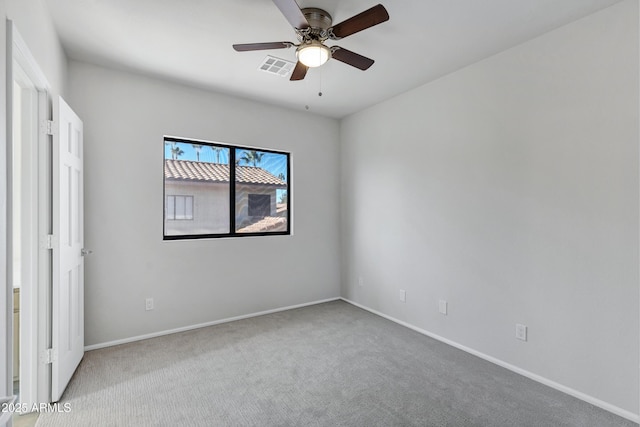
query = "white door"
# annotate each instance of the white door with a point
(68, 239)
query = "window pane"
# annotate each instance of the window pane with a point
(261, 187)
(171, 207)
(259, 205)
(188, 205)
(197, 178)
(180, 207)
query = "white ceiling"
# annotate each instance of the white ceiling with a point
(189, 41)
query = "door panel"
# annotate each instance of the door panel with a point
(68, 262)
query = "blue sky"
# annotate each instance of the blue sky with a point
(275, 163)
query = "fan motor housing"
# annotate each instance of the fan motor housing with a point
(317, 18)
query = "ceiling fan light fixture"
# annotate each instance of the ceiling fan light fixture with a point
(313, 53)
(313, 26)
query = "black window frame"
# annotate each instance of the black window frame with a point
(232, 192)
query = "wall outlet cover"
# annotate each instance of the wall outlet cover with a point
(521, 332)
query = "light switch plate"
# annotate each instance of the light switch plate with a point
(442, 307)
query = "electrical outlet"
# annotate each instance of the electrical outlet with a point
(360, 281)
(403, 295)
(149, 304)
(442, 307)
(521, 332)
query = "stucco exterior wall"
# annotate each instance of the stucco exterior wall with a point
(210, 208)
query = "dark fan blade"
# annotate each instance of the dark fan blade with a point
(292, 12)
(261, 46)
(362, 21)
(351, 58)
(299, 72)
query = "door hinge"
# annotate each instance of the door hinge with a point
(47, 242)
(47, 127)
(48, 356)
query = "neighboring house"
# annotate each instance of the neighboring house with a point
(197, 198)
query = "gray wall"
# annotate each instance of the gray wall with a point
(34, 23)
(125, 117)
(510, 189)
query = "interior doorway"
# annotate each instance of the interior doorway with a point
(24, 225)
(29, 221)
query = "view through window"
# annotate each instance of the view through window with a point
(220, 190)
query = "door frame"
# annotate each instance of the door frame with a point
(35, 311)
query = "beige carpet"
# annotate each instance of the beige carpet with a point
(326, 365)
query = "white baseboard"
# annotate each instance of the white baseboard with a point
(567, 390)
(201, 325)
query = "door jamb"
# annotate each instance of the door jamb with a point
(39, 375)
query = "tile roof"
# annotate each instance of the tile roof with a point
(188, 170)
(268, 223)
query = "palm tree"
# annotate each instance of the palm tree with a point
(172, 144)
(283, 198)
(176, 152)
(216, 151)
(197, 148)
(252, 156)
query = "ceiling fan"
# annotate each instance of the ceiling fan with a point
(313, 27)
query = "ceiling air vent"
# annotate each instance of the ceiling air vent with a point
(277, 66)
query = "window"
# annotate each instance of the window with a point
(259, 205)
(179, 207)
(220, 190)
